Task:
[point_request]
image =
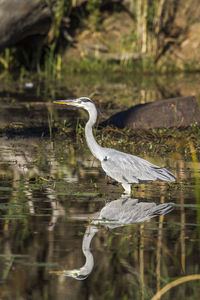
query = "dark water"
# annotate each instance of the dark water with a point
(53, 191)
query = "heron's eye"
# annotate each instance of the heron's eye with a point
(85, 99)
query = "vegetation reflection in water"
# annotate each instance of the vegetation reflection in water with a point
(50, 187)
(45, 200)
(121, 212)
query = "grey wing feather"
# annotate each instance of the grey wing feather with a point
(115, 210)
(130, 211)
(119, 169)
(127, 168)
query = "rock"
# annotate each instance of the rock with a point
(29, 21)
(20, 19)
(173, 112)
(107, 44)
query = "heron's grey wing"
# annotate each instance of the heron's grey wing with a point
(127, 168)
(117, 213)
(144, 211)
(129, 211)
(116, 209)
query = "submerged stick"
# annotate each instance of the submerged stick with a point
(174, 283)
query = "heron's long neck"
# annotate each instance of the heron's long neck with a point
(88, 236)
(92, 144)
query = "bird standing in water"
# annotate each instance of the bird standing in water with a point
(122, 167)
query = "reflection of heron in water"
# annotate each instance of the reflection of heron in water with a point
(124, 168)
(117, 213)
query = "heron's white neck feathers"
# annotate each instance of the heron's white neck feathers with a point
(92, 144)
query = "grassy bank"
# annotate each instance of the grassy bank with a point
(94, 35)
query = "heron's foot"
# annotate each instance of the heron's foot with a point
(127, 188)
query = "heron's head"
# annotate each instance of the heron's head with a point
(76, 274)
(83, 102)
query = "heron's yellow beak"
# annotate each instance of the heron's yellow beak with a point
(75, 102)
(61, 102)
(69, 273)
(58, 272)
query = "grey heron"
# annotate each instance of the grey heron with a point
(122, 167)
(117, 213)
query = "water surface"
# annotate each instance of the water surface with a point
(51, 190)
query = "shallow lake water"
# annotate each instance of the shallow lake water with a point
(54, 243)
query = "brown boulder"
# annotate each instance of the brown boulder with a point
(173, 112)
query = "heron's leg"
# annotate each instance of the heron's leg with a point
(127, 188)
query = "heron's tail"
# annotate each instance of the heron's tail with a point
(151, 210)
(161, 209)
(164, 175)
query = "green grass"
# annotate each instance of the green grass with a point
(173, 141)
